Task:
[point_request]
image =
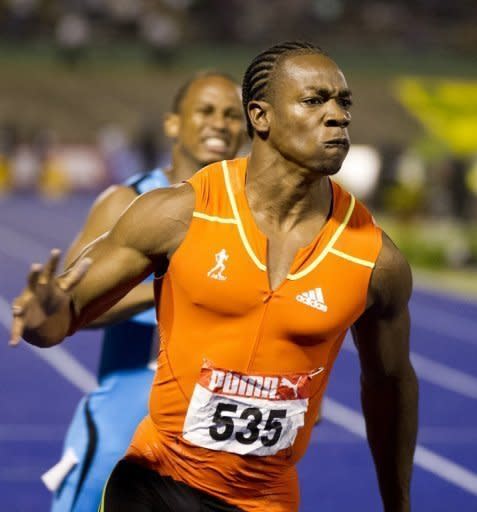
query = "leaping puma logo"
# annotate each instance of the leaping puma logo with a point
(289, 384)
(300, 381)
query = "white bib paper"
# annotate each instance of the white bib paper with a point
(247, 414)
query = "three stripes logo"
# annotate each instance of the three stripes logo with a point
(314, 299)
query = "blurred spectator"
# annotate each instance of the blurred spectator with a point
(72, 37)
(390, 154)
(25, 168)
(421, 25)
(147, 146)
(52, 181)
(21, 17)
(121, 159)
(460, 193)
(8, 138)
(403, 184)
(328, 10)
(95, 9)
(178, 5)
(4, 175)
(471, 181)
(440, 176)
(125, 14)
(161, 33)
(8, 144)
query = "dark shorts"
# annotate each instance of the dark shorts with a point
(133, 488)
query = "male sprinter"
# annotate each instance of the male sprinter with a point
(206, 124)
(269, 264)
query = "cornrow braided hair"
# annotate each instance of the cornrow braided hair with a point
(184, 88)
(256, 81)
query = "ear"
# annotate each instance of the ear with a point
(259, 113)
(172, 124)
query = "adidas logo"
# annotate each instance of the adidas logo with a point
(314, 299)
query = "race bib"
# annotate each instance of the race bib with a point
(247, 414)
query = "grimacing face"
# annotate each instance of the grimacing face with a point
(309, 112)
(211, 120)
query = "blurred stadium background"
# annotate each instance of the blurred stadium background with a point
(83, 88)
(84, 85)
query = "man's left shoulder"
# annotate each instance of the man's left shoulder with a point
(391, 282)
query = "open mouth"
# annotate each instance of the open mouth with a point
(215, 144)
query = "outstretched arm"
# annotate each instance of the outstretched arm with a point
(104, 213)
(146, 235)
(389, 389)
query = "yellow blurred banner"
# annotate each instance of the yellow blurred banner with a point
(446, 107)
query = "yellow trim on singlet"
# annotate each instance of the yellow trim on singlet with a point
(329, 245)
(353, 259)
(213, 218)
(240, 227)
(318, 259)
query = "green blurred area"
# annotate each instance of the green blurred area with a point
(461, 282)
(436, 249)
(435, 243)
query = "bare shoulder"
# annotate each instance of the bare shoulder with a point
(391, 281)
(102, 216)
(115, 196)
(109, 205)
(156, 222)
(174, 203)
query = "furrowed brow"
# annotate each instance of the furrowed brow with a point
(323, 91)
(345, 93)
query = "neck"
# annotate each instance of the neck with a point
(283, 193)
(182, 167)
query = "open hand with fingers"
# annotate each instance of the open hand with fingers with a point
(42, 313)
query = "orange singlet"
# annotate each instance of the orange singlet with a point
(242, 369)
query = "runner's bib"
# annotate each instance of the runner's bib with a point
(247, 414)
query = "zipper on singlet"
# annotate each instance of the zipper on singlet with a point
(258, 337)
(267, 297)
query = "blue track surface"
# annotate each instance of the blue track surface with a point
(37, 402)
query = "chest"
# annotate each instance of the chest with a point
(281, 252)
(305, 296)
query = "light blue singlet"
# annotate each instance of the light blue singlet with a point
(106, 418)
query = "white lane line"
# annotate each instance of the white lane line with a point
(333, 411)
(21, 247)
(444, 323)
(440, 466)
(57, 357)
(446, 469)
(67, 366)
(437, 374)
(444, 376)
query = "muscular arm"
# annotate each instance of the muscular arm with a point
(146, 235)
(103, 215)
(389, 390)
